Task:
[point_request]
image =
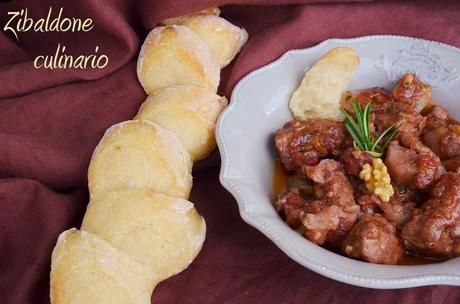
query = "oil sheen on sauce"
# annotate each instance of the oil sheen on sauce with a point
(280, 177)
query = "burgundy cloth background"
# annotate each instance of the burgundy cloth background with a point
(51, 120)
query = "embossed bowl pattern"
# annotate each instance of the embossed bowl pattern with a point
(259, 106)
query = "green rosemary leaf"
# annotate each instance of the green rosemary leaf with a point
(366, 122)
(352, 123)
(359, 120)
(390, 137)
(353, 134)
(359, 129)
(357, 110)
(376, 142)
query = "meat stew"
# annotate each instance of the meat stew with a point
(322, 195)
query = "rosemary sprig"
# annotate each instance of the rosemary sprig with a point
(359, 130)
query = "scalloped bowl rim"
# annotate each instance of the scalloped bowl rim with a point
(254, 220)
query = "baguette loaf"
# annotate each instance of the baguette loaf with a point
(139, 229)
(190, 112)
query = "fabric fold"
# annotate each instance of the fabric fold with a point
(51, 120)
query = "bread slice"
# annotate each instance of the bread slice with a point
(190, 112)
(176, 55)
(87, 269)
(140, 154)
(322, 87)
(208, 11)
(224, 39)
(161, 232)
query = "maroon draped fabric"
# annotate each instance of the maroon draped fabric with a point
(51, 120)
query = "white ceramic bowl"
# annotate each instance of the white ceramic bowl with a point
(259, 106)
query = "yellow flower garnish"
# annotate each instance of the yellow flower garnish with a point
(377, 179)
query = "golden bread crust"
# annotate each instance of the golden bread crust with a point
(190, 112)
(322, 87)
(175, 55)
(161, 232)
(87, 269)
(139, 154)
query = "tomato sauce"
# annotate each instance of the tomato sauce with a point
(280, 177)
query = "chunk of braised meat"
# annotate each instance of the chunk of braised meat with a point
(329, 217)
(380, 98)
(290, 206)
(387, 111)
(401, 163)
(437, 117)
(381, 102)
(331, 214)
(369, 203)
(434, 229)
(445, 142)
(414, 143)
(300, 183)
(325, 223)
(407, 167)
(411, 92)
(353, 160)
(330, 182)
(307, 142)
(373, 239)
(409, 121)
(441, 134)
(452, 164)
(398, 210)
(318, 220)
(427, 171)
